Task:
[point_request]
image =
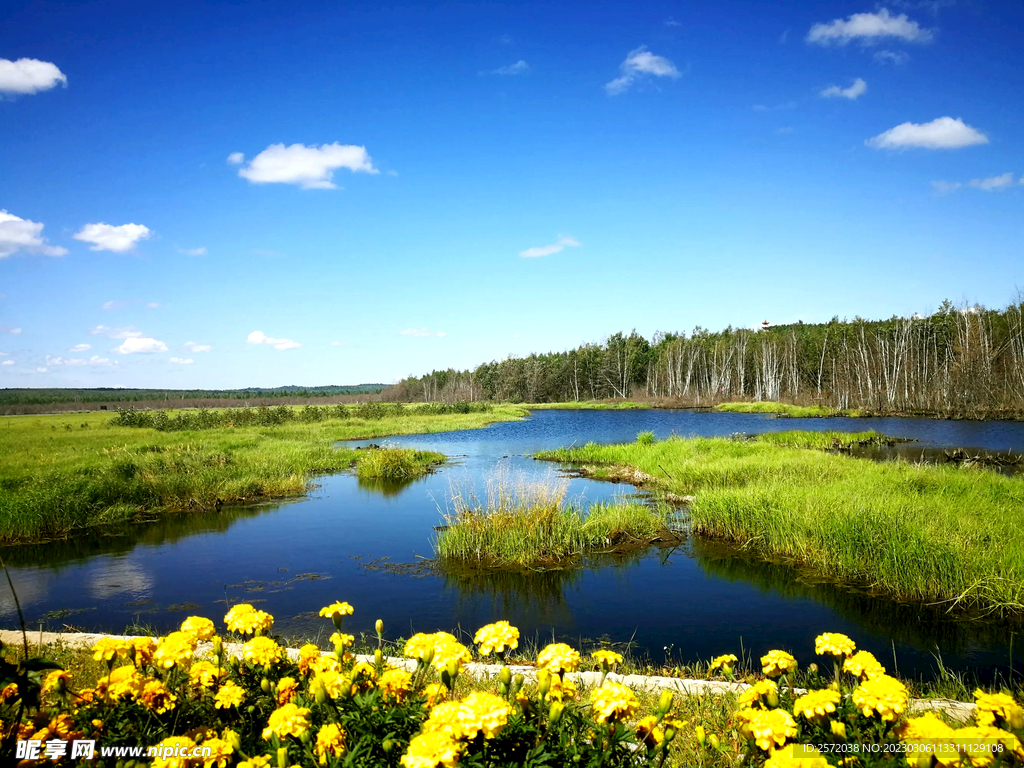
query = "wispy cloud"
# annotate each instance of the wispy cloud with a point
(891, 57)
(80, 348)
(517, 68)
(7, 362)
(640, 64)
(94, 361)
(18, 234)
(201, 251)
(107, 237)
(140, 345)
(154, 305)
(309, 167)
(868, 28)
(110, 305)
(121, 332)
(258, 337)
(858, 88)
(421, 333)
(192, 347)
(993, 183)
(560, 244)
(180, 360)
(25, 76)
(941, 133)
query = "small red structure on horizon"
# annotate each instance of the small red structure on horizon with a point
(765, 325)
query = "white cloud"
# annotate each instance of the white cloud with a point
(41, 370)
(868, 28)
(107, 237)
(893, 57)
(310, 167)
(257, 337)
(236, 158)
(29, 76)
(638, 64)
(80, 348)
(995, 182)
(122, 332)
(421, 333)
(95, 361)
(18, 234)
(339, 343)
(140, 345)
(191, 346)
(14, 330)
(153, 305)
(180, 360)
(7, 362)
(109, 305)
(518, 68)
(193, 251)
(858, 88)
(941, 133)
(546, 250)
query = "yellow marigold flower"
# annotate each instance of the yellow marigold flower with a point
(444, 718)
(262, 651)
(797, 756)
(776, 663)
(430, 750)
(62, 726)
(833, 644)
(558, 657)
(260, 761)
(926, 733)
(863, 664)
(229, 695)
(109, 648)
(175, 649)
(122, 682)
(419, 646)
(395, 683)
(8, 692)
(287, 687)
(613, 701)
(247, 620)
(204, 674)
(325, 664)
(607, 659)
(882, 695)
(335, 683)
(979, 742)
(156, 697)
(758, 694)
(648, 732)
(199, 627)
(496, 638)
(561, 688)
(998, 706)
(442, 645)
(341, 639)
(220, 753)
(768, 728)
(330, 741)
(483, 713)
(56, 681)
(723, 662)
(173, 759)
(816, 704)
(307, 655)
(144, 647)
(288, 720)
(435, 692)
(342, 609)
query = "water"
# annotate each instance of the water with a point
(372, 546)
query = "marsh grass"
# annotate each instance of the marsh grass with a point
(55, 480)
(527, 522)
(787, 410)
(919, 532)
(389, 463)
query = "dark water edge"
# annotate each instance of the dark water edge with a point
(371, 544)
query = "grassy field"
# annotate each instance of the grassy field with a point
(790, 411)
(60, 474)
(529, 523)
(920, 532)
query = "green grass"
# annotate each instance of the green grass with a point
(590, 405)
(532, 523)
(396, 463)
(784, 409)
(59, 473)
(920, 532)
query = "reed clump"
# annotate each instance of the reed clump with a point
(920, 532)
(389, 463)
(787, 410)
(526, 522)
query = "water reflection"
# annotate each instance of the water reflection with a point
(385, 486)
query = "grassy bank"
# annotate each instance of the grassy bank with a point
(787, 410)
(532, 523)
(931, 533)
(59, 475)
(590, 405)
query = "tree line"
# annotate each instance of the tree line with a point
(958, 362)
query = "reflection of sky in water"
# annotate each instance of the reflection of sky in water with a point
(345, 541)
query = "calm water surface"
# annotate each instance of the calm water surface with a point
(370, 545)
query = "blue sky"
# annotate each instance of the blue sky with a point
(226, 195)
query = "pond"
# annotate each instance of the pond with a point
(372, 546)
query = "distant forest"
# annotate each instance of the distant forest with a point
(958, 362)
